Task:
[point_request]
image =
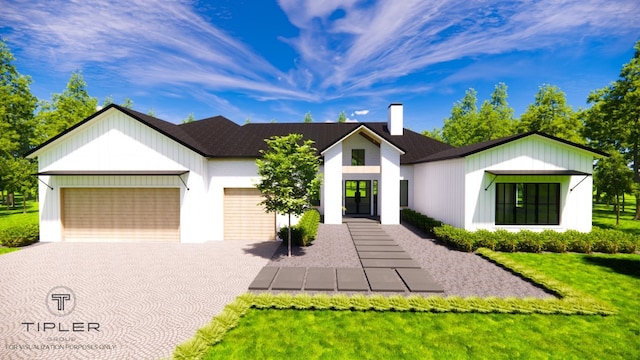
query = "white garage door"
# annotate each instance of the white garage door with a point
(121, 214)
(244, 219)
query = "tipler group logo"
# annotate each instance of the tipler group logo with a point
(61, 301)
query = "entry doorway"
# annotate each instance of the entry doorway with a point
(357, 197)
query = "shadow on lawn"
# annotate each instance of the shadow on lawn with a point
(624, 266)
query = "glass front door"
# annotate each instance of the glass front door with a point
(357, 197)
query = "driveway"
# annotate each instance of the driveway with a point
(128, 300)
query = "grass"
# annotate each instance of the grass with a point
(604, 216)
(14, 215)
(615, 279)
(4, 250)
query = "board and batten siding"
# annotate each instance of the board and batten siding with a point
(439, 190)
(115, 141)
(531, 153)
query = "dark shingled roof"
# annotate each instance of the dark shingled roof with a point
(463, 151)
(220, 137)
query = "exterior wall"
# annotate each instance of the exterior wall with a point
(114, 141)
(356, 141)
(439, 190)
(332, 188)
(389, 185)
(530, 153)
(406, 173)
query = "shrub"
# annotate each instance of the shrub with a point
(19, 234)
(303, 233)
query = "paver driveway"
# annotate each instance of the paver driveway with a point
(145, 297)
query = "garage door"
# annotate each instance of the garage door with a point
(244, 219)
(121, 214)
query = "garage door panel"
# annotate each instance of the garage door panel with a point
(244, 219)
(121, 214)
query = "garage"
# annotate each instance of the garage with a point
(120, 214)
(244, 218)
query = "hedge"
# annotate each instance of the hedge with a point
(598, 240)
(20, 234)
(303, 233)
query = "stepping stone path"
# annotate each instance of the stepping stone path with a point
(386, 267)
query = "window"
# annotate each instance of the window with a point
(527, 204)
(404, 192)
(357, 157)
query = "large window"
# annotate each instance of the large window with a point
(527, 204)
(357, 157)
(404, 192)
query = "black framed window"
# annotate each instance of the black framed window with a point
(527, 204)
(404, 192)
(357, 157)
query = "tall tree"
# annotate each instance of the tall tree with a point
(288, 176)
(342, 117)
(614, 118)
(551, 115)
(495, 118)
(613, 177)
(17, 124)
(190, 118)
(307, 117)
(459, 128)
(128, 103)
(65, 109)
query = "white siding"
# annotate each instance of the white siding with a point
(439, 190)
(332, 185)
(389, 186)
(357, 141)
(114, 141)
(530, 153)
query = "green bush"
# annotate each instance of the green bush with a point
(303, 233)
(18, 234)
(599, 240)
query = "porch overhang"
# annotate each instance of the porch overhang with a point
(177, 173)
(497, 173)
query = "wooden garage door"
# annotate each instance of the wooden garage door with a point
(244, 219)
(121, 214)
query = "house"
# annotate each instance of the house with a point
(123, 175)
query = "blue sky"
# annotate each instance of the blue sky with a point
(264, 60)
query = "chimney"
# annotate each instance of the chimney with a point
(394, 119)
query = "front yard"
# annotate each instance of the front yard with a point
(327, 334)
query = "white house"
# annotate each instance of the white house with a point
(122, 175)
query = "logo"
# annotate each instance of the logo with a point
(61, 301)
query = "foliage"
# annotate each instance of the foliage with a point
(288, 175)
(128, 103)
(18, 177)
(307, 117)
(468, 125)
(7, 250)
(614, 118)
(190, 118)
(342, 117)
(550, 114)
(604, 216)
(21, 232)
(65, 109)
(305, 231)
(599, 240)
(613, 177)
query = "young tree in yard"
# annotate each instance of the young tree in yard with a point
(614, 118)
(613, 177)
(65, 109)
(551, 115)
(288, 176)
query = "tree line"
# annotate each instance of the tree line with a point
(611, 124)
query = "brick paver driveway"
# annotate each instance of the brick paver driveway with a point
(132, 300)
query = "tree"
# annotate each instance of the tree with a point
(307, 117)
(614, 118)
(459, 128)
(19, 177)
(107, 101)
(128, 103)
(17, 124)
(65, 109)
(550, 114)
(288, 176)
(495, 118)
(151, 113)
(342, 117)
(613, 177)
(190, 118)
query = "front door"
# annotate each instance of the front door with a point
(357, 197)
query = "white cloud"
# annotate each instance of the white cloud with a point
(361, 112)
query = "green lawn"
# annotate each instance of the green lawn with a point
(604, 216)
(615, 279)
(15, 214)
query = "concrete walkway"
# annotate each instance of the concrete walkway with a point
(385, 267)
(146, 298)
